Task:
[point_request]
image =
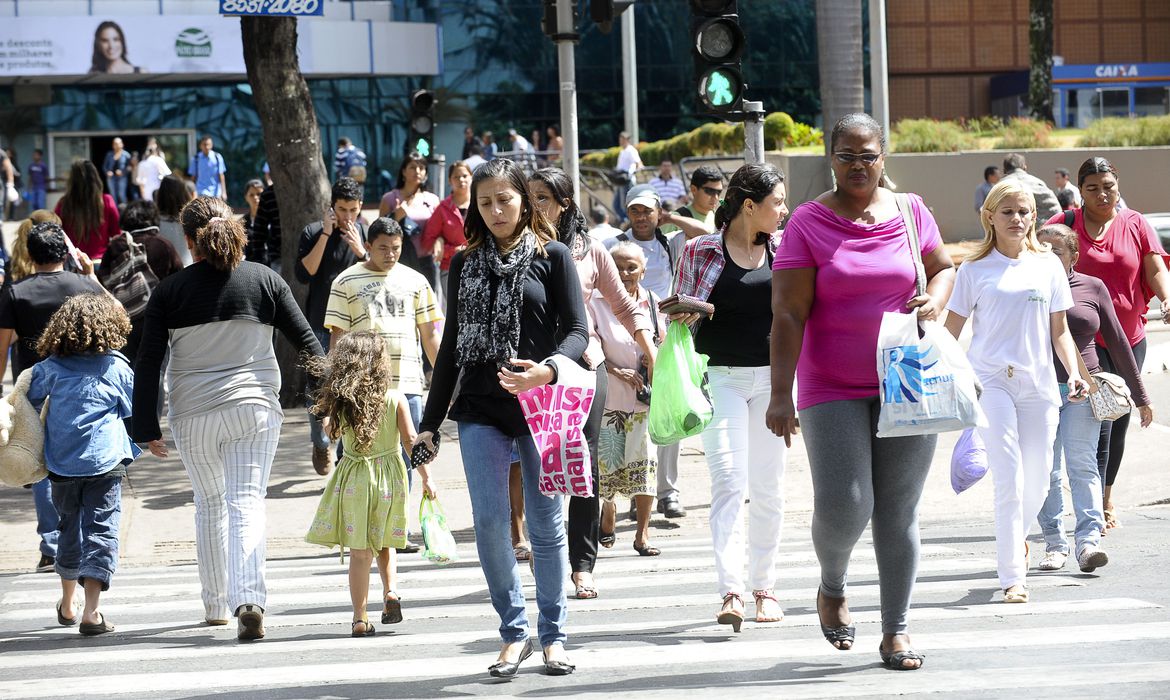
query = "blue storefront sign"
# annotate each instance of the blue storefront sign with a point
(273, 8)
(1113, 74)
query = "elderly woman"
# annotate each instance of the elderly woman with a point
(1119, 247)
(627, 460)
(217, 316)
(844, 261)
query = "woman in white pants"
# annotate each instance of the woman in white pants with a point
(216, 316)
(1018, 293)
(732, 269)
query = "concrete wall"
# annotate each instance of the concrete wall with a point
(947, 181)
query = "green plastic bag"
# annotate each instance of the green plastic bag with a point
(438, 543)
(681, 405)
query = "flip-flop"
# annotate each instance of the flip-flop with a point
(91, 629)
(62, 620)
(646, 550)
(391, 611)
(607, 539)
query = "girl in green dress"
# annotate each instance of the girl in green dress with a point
(364, 503)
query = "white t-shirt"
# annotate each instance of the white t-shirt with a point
(150, 174)
(659, 277)
(603, 232)
(628, 159)
(1010, 302)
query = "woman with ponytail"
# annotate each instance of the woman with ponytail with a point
(731, 269)
(216, 318)
(551, 191)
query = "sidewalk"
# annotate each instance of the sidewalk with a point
(158, 515)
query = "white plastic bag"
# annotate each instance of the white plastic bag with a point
(968, 461)
(927, 383)
(556, 415)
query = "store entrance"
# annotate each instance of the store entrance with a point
(65, 148)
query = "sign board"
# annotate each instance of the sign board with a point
(272, 8)
(1135, 73)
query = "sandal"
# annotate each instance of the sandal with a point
(1015, 594)
(729, 613)
(66, 621)
(607, 539)
(893, 660)
(391, 609)
(646, 550)
(101, 627)
(584, 592)
(841, 636)
(761, 600)
(523, 552)
(1111, 519)
(366, 631)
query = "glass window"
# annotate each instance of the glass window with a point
(1151, 101)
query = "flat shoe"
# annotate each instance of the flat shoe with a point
(62, 620)
(646, 550)
(522, 552)
(366, 631)
(508, 669)
(1015, 594)
(91, 629)
(557, 668)
(391, 611)
(839, 635)
(607, 539)
(893, 660)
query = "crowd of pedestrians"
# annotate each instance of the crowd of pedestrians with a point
(505, 286)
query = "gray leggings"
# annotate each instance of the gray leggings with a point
(858, 477)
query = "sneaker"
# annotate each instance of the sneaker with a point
(1091, 557)
(1053, 561)
(250, 619)
(322, 460)
(45, 564)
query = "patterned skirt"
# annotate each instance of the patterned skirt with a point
(626, 458)
(364, 504)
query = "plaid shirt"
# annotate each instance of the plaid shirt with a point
(702, 264)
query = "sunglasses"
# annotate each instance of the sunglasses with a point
(850, 158)
(711, 191)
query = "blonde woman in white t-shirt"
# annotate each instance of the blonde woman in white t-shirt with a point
(1017, 293)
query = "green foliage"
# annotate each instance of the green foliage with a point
(1026, 133)
(709, 139)
(1123, 131)
(778, 127)
(930, 136)
(988, 125)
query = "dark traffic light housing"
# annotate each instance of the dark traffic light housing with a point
(422, 124)
(718, 44)
(604, 12)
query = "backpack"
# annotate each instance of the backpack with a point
(129, 277)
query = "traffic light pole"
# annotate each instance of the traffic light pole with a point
(630, 75)
(565, 38)
(753, 133)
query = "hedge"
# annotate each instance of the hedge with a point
(930, 136)
(1124, 131)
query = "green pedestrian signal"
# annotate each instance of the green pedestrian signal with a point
(422, 123)
(423, 147)
(721, 89)
(718, 89)
(718, 43)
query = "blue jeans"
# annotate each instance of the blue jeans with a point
(47, 520)
(117, 186)
(35, 199)
(316, 431)
(486, 461)
(1077, 437)
(415, 403)
(90, 511)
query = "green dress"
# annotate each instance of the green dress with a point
(364, 503)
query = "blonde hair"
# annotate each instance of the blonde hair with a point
(21, 265)
(1002, 189)
(86, 324)
(352, 383)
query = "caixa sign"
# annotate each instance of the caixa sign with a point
(1118, 71)
(274, 8)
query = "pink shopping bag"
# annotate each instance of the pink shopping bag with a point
(556, 416)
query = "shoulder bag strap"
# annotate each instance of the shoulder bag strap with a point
(915, 247)
(654, 316)
(1069, 217)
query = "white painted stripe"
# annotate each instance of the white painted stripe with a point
(420, 588)
(282, 614)
(401, 636)
(665, 659)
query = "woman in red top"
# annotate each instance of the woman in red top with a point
(1120, 248)
(446, 224)
(89, 217)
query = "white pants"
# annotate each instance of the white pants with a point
(668, 471)
(1022, 421)
(746, 460)
(228, 455)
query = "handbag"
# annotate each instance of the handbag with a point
(129, 278)
(683, 304)
(1111, 398)
(22, 436)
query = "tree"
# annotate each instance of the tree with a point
(293, 143)
(1040, 44)
(839, 58)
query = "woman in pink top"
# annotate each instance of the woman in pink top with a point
(551, 191)
(1120, 248)
(446, 225)
(89, 218)
(844, 260)
(410, 200)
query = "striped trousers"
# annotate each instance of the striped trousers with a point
(228, 456)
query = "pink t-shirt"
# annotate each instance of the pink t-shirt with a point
(1117, 260)
(862, 272)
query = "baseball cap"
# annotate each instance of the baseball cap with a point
(644, 195)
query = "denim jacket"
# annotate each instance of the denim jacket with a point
(88, 395)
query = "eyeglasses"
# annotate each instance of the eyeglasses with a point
(850, 158)
(711, 191)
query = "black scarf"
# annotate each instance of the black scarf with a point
(489, 329)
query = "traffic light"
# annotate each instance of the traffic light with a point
(718, 48)
(422, 123)
(604, 12)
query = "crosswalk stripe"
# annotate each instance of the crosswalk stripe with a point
(667, 658)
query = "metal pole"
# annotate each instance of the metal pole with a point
(441, 176)
(567, 73)
(630, 75)
(753, 133)
(879, 75)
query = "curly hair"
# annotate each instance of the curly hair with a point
(352, 382)
(86, 324)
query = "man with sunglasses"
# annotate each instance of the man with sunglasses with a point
(698, 217)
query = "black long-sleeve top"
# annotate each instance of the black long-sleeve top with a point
(218, 326)
(552, 321)
(334, 260)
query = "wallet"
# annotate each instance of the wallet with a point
(683, 304)
(421, 454)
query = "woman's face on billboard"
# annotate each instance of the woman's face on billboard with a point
(110, 43)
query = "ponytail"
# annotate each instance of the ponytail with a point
(218, 238)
